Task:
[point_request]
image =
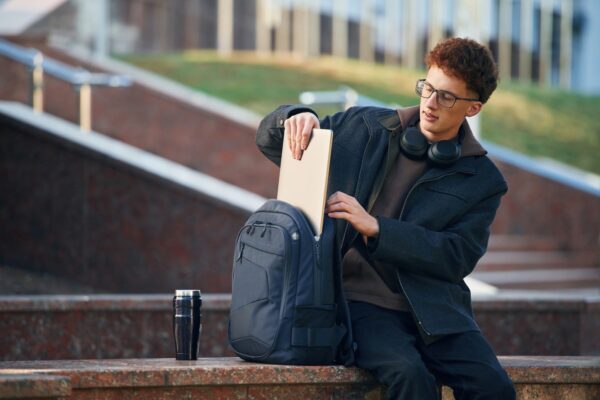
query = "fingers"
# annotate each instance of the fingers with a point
(341, 197)
(340, 201)
(305, 138)
(298, 138)
(299, 128)
(287, 129)
(343, 206)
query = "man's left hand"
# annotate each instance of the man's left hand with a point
(341, 205)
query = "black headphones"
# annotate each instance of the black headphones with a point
(415, 146)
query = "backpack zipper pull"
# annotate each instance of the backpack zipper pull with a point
(264, 230)
(240, 252)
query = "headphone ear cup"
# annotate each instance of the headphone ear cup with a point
(413, 143)
(444, 152)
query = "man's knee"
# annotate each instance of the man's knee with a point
(410, 372)
(504, 387)
(406, 379)
(494, 385)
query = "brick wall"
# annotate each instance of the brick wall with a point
(74, 213)
(535, 205)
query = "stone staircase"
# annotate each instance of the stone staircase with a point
(538, 263)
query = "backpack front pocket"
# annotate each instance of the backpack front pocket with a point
(260, 279)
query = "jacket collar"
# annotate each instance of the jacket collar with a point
(404, 117)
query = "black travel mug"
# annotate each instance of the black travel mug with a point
(187, 324)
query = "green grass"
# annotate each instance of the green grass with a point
(533, 120)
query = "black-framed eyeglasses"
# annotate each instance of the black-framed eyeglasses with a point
(444, 98)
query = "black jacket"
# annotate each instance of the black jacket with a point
(444, 225)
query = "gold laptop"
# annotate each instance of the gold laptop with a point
(303, 183)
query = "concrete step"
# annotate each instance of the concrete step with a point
(231, 378)
(524, 242)
(558, 278)
(33, 386)
(527, 260)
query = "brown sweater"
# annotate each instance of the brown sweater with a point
(368, 281)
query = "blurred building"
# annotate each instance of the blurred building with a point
(553, 42)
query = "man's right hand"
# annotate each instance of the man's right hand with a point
(300, 128)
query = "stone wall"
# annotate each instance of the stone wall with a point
(539, 206)
(74, 213)
(139, 326)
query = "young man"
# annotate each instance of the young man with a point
(413, 196)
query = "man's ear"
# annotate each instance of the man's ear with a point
(474, 108)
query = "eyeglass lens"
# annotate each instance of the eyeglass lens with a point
(425, 90)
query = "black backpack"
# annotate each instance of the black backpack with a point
(287, 304)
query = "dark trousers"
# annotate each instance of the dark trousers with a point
(390, 347)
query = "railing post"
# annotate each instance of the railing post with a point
(85, 106)
(36, 84)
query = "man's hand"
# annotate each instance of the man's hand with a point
(341, 205)
(300, 128)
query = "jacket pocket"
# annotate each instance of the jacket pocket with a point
(446, 192)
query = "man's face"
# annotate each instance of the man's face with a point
(442, 123)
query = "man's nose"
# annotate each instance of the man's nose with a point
(432, 101)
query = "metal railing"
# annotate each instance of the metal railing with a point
(345, 97)
(81, 79)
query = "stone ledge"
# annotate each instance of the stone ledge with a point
(85, 374)
(230, 377)
(33, 386)
(105, 302)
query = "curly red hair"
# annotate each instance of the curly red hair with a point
(468, 60)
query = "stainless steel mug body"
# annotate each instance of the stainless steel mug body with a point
(187, 323)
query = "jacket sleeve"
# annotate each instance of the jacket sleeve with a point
(269, 136)
(448, 255)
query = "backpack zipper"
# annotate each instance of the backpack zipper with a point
(317, 272)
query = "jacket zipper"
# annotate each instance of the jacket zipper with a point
(400, 218)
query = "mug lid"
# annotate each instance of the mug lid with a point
(187, 293)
